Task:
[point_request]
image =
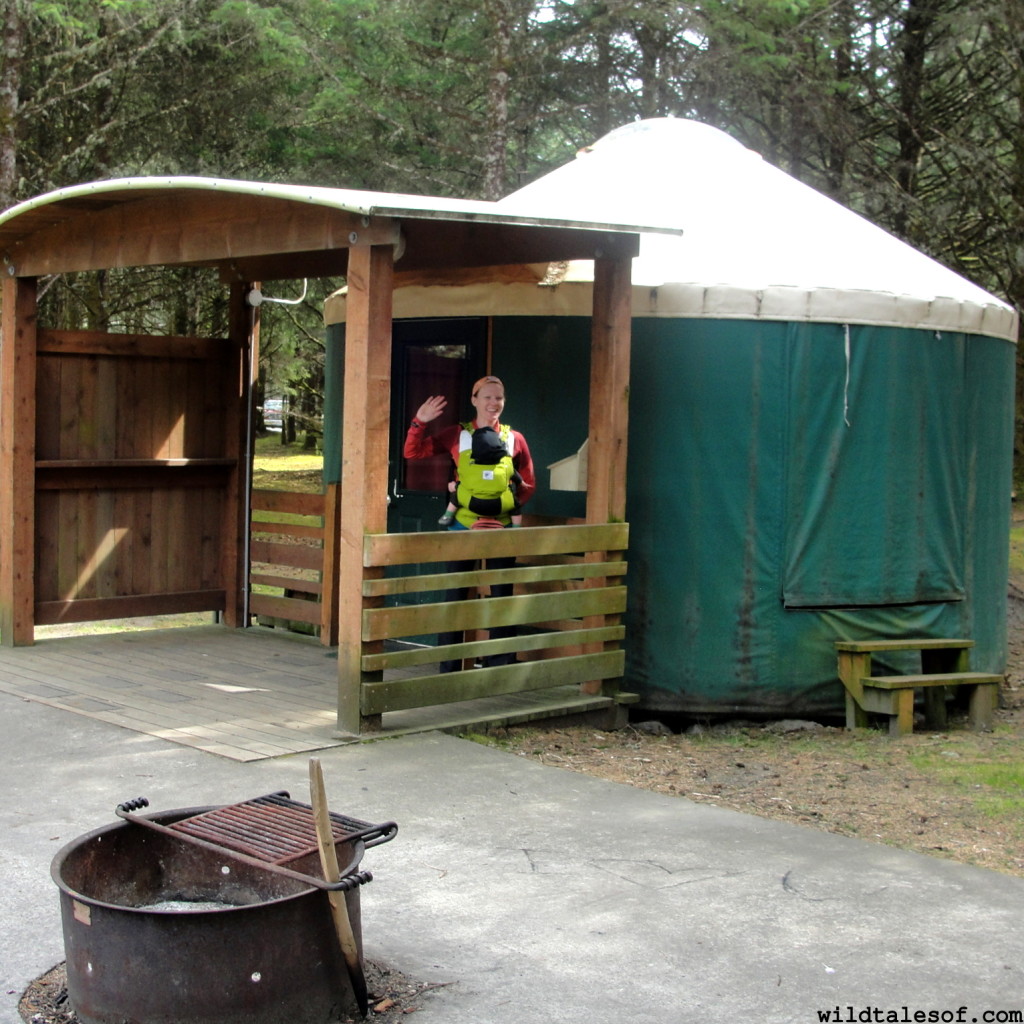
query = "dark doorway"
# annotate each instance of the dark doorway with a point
(429, 357)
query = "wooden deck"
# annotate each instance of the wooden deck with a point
(241, 694)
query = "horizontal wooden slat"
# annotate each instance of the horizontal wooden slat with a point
(556, 625)
(123, 477)
(91, 609)
(489, 577)
(302, 556)
(286, 529)
(443, 546)
(401, 694)
(486, 613)
(293, 608)
(100, 343)
(294, 502)
(413, 656)
(286, 582)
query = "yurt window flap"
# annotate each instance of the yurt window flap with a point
(876, 482)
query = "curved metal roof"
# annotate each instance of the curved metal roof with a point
(244, 224)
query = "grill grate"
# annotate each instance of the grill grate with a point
(275, 829)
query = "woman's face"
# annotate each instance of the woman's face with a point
(489, 402)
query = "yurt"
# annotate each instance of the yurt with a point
(820, 432)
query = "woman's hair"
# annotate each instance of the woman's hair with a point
(486, 380)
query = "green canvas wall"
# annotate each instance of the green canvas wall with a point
(807, 507)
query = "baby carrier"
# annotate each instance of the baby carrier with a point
(486, 474)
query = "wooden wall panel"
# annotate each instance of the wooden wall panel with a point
(142, 517)
(48, 388)
(67, 547)
(134, 470)
(68, 401)
(104, 543)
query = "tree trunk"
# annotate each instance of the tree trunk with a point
(910, 73)
(10, 68)
(496, 143)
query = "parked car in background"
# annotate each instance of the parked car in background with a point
(273, 413)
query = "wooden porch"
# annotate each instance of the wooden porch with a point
(244, 695)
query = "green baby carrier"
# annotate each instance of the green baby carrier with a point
(485, 474)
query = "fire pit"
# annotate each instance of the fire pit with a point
(199, 914)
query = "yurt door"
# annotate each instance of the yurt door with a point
(430, 357)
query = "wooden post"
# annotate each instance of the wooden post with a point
(243, 327)
(609, 391)
(17, 461)
(609, 416)
(364, 455)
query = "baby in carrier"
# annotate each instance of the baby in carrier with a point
(485, 481)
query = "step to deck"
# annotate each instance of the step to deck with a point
(893, 695)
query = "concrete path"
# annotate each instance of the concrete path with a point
(544, 896)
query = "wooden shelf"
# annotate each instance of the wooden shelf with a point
(121, 474)
(131, 463)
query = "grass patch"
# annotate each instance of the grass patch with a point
(281, 467)
(984, 773)
(1017, 551)
(483, 739)
(270, 453)
(993, 779)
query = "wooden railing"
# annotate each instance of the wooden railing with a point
(289, 577)
(564, 612)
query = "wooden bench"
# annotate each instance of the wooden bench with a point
(943, 663)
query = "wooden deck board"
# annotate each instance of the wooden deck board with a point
(245, 695)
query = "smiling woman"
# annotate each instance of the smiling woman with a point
(485, 495)
(485, 481)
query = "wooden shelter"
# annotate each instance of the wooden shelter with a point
(125, 459)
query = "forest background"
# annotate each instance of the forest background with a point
(910, 112)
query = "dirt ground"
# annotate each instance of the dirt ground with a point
(392, 994)
(954, 794)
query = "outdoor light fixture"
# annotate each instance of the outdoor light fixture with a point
(256, 298)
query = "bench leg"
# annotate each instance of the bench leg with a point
(902, 722)
(856, 716)
(852, 668)
(935, 707)
(981, 709)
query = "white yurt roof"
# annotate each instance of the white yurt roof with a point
(755, 243)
